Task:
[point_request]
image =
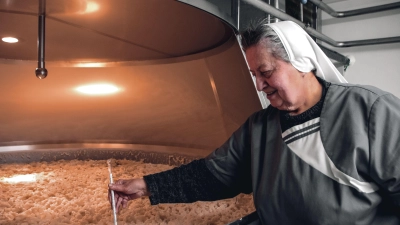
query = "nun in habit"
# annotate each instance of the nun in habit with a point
(323, 152)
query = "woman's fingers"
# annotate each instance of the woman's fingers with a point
(124, 203)
(118, 202)
(118, 186)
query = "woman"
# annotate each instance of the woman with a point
(323, 152)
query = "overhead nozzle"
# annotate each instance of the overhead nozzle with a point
(41, 73)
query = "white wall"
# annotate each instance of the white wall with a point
(377, 65)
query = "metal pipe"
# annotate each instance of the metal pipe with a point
(276, 4)
(336, 56)
(316, 18)
(41, 71)
(268, 15)
(283, 16)
(301, 13)
(355, 12)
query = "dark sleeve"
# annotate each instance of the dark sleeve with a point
(231, 163)
(186, 184)
(384, 142)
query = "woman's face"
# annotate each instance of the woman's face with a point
(282, 83)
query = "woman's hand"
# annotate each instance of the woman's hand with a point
(126, 190)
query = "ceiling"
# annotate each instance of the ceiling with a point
(108, 30)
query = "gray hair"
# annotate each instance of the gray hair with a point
(261, 32)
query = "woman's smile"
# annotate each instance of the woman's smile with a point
(270, 93)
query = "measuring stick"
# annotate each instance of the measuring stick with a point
(112, 192)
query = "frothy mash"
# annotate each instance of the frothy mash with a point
(75, 192)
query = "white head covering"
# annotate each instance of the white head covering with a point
(304, 54)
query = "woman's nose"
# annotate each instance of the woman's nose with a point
(261, 83)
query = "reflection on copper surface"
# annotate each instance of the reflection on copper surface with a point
(91, 7)
(10, 39)
(98, 89)
(89, 64)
